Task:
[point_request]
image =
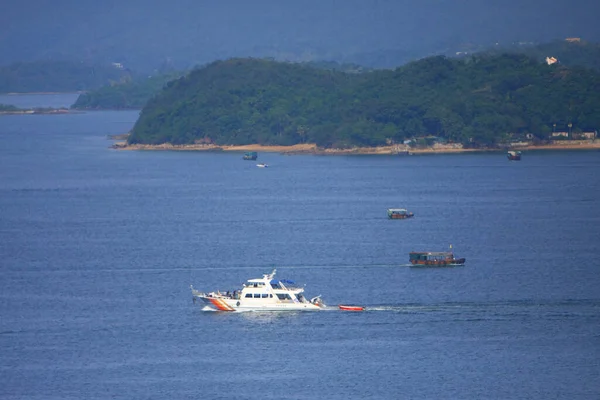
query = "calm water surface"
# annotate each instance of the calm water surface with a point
(98, 248)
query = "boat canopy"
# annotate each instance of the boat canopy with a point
(432, 253)
(397, 210)
(284, 281)
(257, 280)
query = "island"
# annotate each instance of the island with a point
(482, 102)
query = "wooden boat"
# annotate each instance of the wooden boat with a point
(435, 259)
(399, 213)
(251, 155)
(351, 308)
(514, 155)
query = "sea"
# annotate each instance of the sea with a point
(99, 247)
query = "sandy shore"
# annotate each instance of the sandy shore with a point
(565, 145)
(313, 149)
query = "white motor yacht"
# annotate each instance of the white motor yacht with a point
(261, 294)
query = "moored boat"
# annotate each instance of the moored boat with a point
(350, 308)
(261, 294)
(514, 155)
(399, 213)
(251, 155)
(435, 259)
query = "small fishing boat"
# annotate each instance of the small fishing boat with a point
(261, 165)
(251, 155)
(514, 155)
(351, 308)
(261, 294)
(435, 259)
(399, 213)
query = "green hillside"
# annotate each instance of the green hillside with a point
(135, 93)
(476, 101)
(571, 54)
(57, 76)
(130, 94)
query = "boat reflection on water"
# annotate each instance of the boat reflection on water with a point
(268, 317)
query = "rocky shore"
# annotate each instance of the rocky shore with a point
(383, 150)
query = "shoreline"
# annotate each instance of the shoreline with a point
(53, 111)
(382, 150)
(40, 93)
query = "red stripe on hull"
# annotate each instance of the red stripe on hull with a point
(221, 305)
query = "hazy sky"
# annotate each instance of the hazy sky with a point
(192, 31)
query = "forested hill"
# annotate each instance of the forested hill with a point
(573, 53)
(135, 93)
(58, 76)
(124, 95)
(475, 101)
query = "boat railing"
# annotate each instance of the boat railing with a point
(317, 301)
(218, 294)
(226, 295)
(196, 292)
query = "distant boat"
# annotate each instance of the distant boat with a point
(514, 155)
(251, 155)
(261, 165)
(399, 213)
(435, 259)
(404, 153)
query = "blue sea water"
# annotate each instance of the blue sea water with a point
(98, 248)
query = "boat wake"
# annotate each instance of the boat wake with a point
(497, 310)
(408, 309)
(565, 310)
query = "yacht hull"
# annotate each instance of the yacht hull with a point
(226, 304)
